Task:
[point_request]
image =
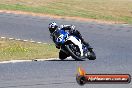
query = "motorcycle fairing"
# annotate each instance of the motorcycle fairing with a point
(76, 42)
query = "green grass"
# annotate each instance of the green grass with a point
(18, 50)
(109, 10)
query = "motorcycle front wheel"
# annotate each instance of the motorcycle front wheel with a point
(62, 55)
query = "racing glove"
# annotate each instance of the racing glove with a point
(57, 46)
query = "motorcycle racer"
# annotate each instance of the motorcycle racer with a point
(72, 31)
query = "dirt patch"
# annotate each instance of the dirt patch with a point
(61, 17)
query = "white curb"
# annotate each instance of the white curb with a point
(20, 61)
(11, 38)
(3, 37)
(18, 39)
(32, 41)
(22, 40)
(39, 42)
(25, 40)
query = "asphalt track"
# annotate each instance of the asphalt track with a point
(112, 44)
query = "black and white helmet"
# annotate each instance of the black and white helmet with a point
(52, 27)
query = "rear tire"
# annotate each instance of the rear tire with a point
(92, 56)
(62, 55)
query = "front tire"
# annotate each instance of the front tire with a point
(62, 55)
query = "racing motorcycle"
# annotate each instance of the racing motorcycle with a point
(72, 46)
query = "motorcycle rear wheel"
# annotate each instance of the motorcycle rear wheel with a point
(92, 56)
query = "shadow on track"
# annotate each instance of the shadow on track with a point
(62, 60)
